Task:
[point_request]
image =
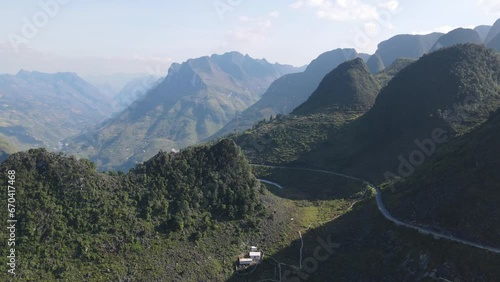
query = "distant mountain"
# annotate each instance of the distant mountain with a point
(162, 206)
(364, 56)
(494, 31)
(288, 92)
(483, 31)
(375, 64)
(349, 87)
(402, 46)
(458, 36)
(111, 84)
(495, 43)
(133, 91)
(42, 109)
(195, 100)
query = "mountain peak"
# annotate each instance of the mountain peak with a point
(349, 87)
(438, 89)
(328, 60)
(494, 31)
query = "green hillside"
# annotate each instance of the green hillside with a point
(349, 87)
(77, 224)
(445, 93)
(462, 178)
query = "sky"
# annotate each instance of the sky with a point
(102, 37)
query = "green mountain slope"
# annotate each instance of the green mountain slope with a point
(495, 43)
(483, 31)
(288, 92)
(349, 87)
(454, 191)
(494, 31)
(443, 94)
(462, 178)
(77, 224)
(42, 109)
(344, 94)
(387, 74)
(404, 46)
(195, 100)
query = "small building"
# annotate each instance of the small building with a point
(245, 261)
(255, 256)
(253, 248)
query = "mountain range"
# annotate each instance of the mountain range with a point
(194, 101)
(363, 163)
(289, 91)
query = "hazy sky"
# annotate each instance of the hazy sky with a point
(128, 36)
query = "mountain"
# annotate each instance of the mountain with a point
(495, 43)
(41, 109)
(387, 74)
(443, 94)
(494, 31)
(195, 100)
(458, 36)
(483, 31)
(79, 224)
(6, 149)
(134, 90)
(349, 87)
(403, 46)
(289, 91)
(456, 190)
(375, 63)
(110, 85)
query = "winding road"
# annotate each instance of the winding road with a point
(383, 209)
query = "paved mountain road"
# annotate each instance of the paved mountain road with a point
(383, 209)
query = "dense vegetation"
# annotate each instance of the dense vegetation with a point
(402, 46)
(76, 223)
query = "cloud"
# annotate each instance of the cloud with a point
(250, 31)
(274, 14)
(392, 6)
(255, 30)
(490, 6)
(343, 10)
